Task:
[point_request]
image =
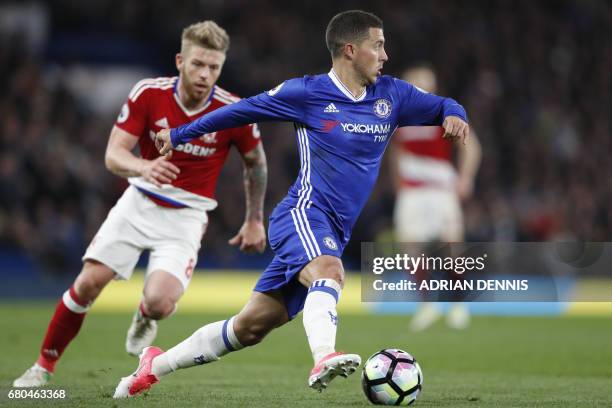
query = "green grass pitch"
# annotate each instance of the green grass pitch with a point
(501, 361)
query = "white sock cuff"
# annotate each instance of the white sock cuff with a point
(162, 365)
(329, 286)
(229, 336)
(72, 305)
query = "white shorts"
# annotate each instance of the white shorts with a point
(135, 224)
(428, 214)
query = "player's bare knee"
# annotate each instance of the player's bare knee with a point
(334, 273)
(250, 333)
(161, 293)
(330, 269)
(323, 267)
(253, 335)
(93, 278)
(158, 306)
(251, 330)
(255, 332)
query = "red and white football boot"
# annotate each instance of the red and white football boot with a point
(142, 379)
(330, 366)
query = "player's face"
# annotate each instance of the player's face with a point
(199, 69)
(370, 56)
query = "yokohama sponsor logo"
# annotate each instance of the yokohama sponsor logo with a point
(366, 128)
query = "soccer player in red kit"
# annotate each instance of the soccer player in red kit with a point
(165, 207)
(430, 189)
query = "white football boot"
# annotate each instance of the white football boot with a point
(141, 334)
(427, 315)
(458, 317)
(35, 376)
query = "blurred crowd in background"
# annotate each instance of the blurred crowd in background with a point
(534, 76)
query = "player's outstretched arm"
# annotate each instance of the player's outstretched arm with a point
(283, 103)
(252, 234)
(120, 160)
(418, 108)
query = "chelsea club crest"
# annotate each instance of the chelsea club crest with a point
(382, 108)
(330, 243)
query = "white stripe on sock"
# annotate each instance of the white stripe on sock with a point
(72, 305)
(231, 335)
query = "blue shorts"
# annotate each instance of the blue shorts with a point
(296, 236)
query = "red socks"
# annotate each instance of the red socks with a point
(64, 326)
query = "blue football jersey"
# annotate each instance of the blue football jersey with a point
(341, 138)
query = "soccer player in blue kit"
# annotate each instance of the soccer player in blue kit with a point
(343, 122)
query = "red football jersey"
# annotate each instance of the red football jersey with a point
(153, 104)
(425, 158)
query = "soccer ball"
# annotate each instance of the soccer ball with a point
(391, 377)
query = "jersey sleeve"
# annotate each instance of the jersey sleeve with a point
(418, 107)
(246, 137)
(282, 103)
(132, 117)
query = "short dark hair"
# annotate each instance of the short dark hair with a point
(349, 26)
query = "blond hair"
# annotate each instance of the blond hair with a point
(206, 34)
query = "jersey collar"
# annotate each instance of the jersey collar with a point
(344, 89)
(184, 108)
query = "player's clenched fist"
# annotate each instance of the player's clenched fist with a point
(454, 129)
(163, 142)
(159, 171)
